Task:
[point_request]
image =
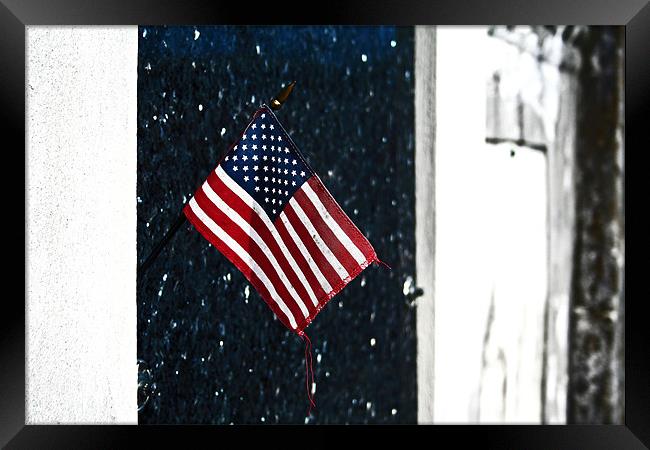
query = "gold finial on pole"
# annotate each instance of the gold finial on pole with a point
(278, 100)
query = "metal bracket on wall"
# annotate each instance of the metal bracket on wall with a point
(414, 293)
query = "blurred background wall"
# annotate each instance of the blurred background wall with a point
(524, 285)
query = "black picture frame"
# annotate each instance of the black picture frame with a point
(634, 14)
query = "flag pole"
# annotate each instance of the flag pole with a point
(275, 104)
(180, 220)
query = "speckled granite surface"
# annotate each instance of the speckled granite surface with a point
(211, 351)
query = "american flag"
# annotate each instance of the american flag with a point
(266, 210)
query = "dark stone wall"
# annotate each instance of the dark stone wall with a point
(209, 349)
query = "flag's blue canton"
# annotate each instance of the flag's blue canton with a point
(266, 164)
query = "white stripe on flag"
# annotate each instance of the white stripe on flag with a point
(324, 249)
(250, 201)
(250, 231)
(333, 225)
(243, 254)
(305, 253)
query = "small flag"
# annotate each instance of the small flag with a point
(266, 210)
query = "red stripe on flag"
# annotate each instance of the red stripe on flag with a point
(342, 254)
(300, 260)
(342, 219)
(324, 265)
(240, 264)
